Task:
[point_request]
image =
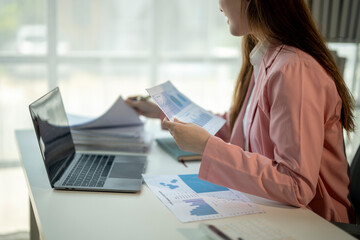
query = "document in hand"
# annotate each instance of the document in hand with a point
(175, 104)
(119, 129)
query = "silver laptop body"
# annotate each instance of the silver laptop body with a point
(70, 170)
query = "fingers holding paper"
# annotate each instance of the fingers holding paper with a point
(144, 107)
(188, 136)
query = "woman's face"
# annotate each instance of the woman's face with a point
(236, 17)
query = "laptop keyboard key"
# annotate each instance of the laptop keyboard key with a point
(90, 171)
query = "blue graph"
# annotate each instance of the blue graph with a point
(176, 101)
(170, 185)
(201, 207)
(201, 186)
(201, 119)
(182, 97)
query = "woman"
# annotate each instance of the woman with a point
(283, 139)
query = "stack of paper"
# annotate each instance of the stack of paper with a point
(118, 129)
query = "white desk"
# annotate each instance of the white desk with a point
(89, 215)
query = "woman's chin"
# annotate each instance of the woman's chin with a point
(235, 32)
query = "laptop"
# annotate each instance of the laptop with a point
(68, 169)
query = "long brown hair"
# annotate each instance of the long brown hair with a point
(289, 22)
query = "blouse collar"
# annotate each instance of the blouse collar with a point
(258, 53)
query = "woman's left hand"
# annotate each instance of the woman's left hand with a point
(188, 136)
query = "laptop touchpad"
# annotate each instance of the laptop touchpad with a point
(127, 170)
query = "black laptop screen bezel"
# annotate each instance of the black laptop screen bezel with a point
(53, 133)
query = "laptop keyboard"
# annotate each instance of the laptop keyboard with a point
(90, 171)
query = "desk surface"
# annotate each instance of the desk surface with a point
(95, 215)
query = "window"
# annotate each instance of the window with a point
(96, 50)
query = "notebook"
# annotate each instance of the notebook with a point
(169, 145)
(71, 170)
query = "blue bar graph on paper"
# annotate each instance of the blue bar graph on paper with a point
(201, 207)
(201, 119)
(200, 186)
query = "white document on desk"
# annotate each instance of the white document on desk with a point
(192, 199)
(175, 104)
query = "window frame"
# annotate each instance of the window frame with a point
(52, 59)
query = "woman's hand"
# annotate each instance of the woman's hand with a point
(188, 136)
(146, 108)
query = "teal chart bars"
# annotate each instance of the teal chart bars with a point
(175, 104)
(192, 199)
(201, 207)
(200, 186)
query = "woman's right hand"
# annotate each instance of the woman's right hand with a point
(145, 108)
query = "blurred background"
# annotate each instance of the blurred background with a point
(96, 50)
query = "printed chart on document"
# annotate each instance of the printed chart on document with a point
(175, 104)
(192, 199)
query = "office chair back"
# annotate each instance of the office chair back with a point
(355, 183)
(353, 229)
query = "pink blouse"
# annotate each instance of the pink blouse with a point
(295, 139)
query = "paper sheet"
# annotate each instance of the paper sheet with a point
(119, 114)
(175, 104)
(115, 132)
(192, 199)
(253, 228)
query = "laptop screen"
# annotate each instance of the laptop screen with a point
(53, 133)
